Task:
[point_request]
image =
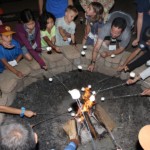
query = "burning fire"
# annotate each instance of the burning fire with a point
(88, 103)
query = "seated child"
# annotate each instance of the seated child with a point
(28, 35)
(94, 14)
(65, 27)
(9, 57)
(48, 31)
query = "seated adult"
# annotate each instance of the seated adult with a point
(143, 50)
(116, 31)
(20, 136)
(17, 136)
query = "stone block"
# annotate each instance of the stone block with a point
(23, 67)
(37, 74)
(107, 64)
(1, 117)
(3, 99)
(70, 52)
(77, 61)
(63, 62)
(32, 64)
(68, 68)
(58, 70)
(139, 69)
(54, 57)
(7, 81)
(124, 75)
(29, 80)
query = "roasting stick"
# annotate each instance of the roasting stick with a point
(86, 124)
(112, 87)
(124, 96)
(58, 115)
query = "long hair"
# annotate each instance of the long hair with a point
(26, 15)
(99, 9)
(43, 19)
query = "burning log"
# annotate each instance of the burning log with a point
(92, 129)
(104, 118)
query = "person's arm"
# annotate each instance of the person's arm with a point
(27, 44)
(87, 31)
(49, 42)
(11, 110)
(70, 2)
(12, 69)
(73, 39)
(146, 92)
(139, 28)
(109, 53)
(94, 54)
(129, 59)
(19, 58)
(61, 31)
(40, 6)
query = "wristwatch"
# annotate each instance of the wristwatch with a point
(92, 62)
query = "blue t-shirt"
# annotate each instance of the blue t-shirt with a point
(57, 7)
(9, 54)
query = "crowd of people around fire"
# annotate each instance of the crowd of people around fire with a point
(55, 28)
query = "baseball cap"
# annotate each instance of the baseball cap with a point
(6, 30)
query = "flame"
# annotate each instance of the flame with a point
(87, 105)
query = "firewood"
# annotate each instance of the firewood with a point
(104, 118)
(70, 129)
(92, 129)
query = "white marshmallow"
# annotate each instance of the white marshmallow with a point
(89, 86)
(50, 79)
(102, 98)
(69, 39)
(82, 89)
(48, 48)
(72, 114)
(132, 74)
(80, 67)
(92, 98)
(83, 53)
(93, 92)
(69, 109)
(75, 94)
(113, 55)
(84, 47)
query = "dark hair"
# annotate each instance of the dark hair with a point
(16, 136)
(146, 34)
(26, 15)
(99, 9)
(70, 7)
(120, 23)
(43, 19)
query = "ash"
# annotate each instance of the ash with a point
(129, 114)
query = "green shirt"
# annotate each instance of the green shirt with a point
(49, 35)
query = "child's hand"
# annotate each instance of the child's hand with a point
(29, 113)
(57, 49)
(130, 81)
(65, 38)
(19, 74)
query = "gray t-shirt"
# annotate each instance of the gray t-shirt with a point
(124, 38)
(69, 29)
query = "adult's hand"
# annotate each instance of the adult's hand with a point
(146, 92)
(29, 113)
(91, 67)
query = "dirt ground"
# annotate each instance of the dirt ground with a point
(129, 114)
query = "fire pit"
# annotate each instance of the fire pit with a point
(51, 101)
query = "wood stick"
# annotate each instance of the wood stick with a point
(104, 118)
